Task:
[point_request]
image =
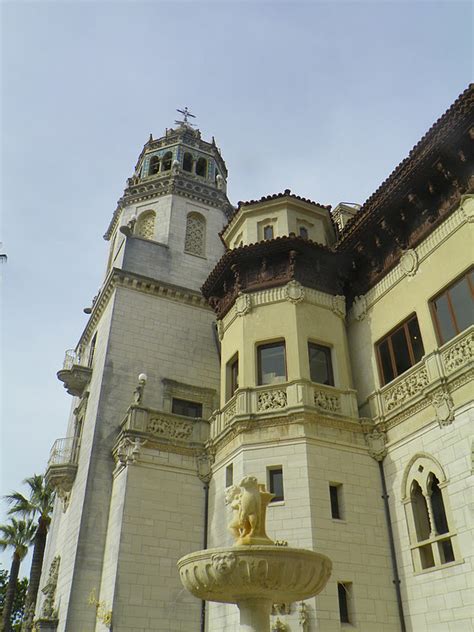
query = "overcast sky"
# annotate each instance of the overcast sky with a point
(324, 98)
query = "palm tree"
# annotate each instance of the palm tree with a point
(38, 505)
(18, 534)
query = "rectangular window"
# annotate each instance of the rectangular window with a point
(268, 232)
(92, 350)
(400, 350)
(233, 375)
(335, 493)
(185, 408)
(344, 591)
(453, 309)
(320, 365)
(229, 475)
(271, 363)
(275, 483)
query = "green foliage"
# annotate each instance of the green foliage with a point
(18, 602)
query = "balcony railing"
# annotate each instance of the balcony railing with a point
(74, 375)
(436, 369)
(63, 451)
(62, 465)
(166, 427)
(285, 398)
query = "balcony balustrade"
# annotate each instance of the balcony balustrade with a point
(74, 374)
(62, 464)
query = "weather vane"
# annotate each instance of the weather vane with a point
(186, 114)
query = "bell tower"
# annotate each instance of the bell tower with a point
(144, 378)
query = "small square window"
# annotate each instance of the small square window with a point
(344, 593)
(335, 493)
(229, 475)
(271, 363)
(275, 483)
(185, 408)
(320, 365)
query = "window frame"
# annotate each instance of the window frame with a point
(328, 352)
(345, 589)
(338, 501)
(271, 470)
(387, 337)
(268, 227)
(445, 291)
(269, 345)
(232, 378)
(186, 401)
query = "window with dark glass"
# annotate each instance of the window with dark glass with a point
(335, 493)
(229, 475)
(187, 162)
(154, 165)
(167, 160)
(201, 167)
(268, 232)
(271, 363)
(453, 309)
(344, 593)
(400, 350)
(233, 375)
(320, 365)
(275, 483)
(303, 232)
(186, 408)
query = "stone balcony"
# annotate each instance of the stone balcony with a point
(432, 380)
(62, 465)
(284, 398)
(74, 374)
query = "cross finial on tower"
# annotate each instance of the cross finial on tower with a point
(186, 114)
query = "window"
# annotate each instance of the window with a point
(92, 350)
(268, 232)
(233, 375)
(335, 494)
(275, 483)
(201, 167)
(433, 542)
(344, 593)
(187, 162)
(453, 309)
(229, 475)
(271, 363)
(303, 232)
(400, 350)
(194, 241)
(154, 166)
(167, 160)
(145, 226)
(320, 365)
(185, 408)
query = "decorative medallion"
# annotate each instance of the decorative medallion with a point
(467, 208)
(376, 443)
(409, 262)
(443, 404)
(243, 304)
(294, 292)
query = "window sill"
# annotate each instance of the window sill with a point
(439, 568)
(339, 521)
(193, 254)
(277, 503)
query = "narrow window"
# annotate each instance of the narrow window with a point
(154, 166)
(167, 160)
(335, 493)
(453, 310)
(92, 350)
(233, 375)
(145, 226)
(420, 513)
(344, 590)
(229, 475)
(201, 167)
(303, 232)
(187, 162)
(400, 350)
(271, 363)
(194, 241)
(268, 232)
(320, 365)
(275, 483)
(186, 408)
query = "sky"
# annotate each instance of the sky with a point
(323, 98)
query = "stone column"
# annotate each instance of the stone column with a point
(255, 615)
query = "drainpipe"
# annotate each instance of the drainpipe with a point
(206, 521)
(396, 577)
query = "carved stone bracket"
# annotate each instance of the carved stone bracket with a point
(359, 307)
(204, 466)
(129, 450)
(443, 405)
(243, 304)
(294, 292)
(376, 441)
(303, 617)
(49, 590)
(339, 305)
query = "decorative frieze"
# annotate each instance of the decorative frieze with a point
(169, 429)
(271, 400)
(459, 354)
(327, 402)
(406, 389)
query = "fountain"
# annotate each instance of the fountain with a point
(254, 573)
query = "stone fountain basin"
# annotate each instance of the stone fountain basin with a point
(234, 574)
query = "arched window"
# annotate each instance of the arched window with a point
(154, 165)
(187, 162)
(166, 162)
(201, 167)
(268, 232)
(433, 540)
(145, 226)
(194, 242)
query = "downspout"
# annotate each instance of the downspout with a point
(206, 522)
(396, 577)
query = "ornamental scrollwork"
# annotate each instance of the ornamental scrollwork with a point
(459, 354)
(271, 400)
(407, 388)
(49, 590)
(443, 404)
(230, 412)
(162, 427)
(409, 262)
(327, 402)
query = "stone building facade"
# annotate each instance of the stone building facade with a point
(329, 353)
